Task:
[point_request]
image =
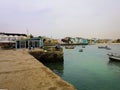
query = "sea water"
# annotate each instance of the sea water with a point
(90, 69)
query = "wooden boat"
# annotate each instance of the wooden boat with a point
(114, 57)
(69, 47)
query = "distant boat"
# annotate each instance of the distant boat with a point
(83, 46)
(114, 57)
(104, 47)
(81, 50)
(69, 47)
(107, 48)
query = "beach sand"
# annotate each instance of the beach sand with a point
(21, 71)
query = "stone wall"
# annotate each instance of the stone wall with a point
(48, 56)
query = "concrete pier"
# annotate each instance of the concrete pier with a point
(48, 56)
(21, 71)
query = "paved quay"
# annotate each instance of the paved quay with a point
(21, 71)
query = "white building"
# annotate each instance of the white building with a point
(10, 38)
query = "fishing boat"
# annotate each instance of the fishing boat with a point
(69, 47)
(114, 57)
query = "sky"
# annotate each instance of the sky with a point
(61, 18)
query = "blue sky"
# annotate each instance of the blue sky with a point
(61, 18)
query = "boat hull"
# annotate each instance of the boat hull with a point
(113, 58)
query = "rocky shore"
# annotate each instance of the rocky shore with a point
(21, 71)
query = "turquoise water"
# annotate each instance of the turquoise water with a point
(90, 69)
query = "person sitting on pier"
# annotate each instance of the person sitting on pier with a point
(57, 47)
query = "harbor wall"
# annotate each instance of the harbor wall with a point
(48, 56)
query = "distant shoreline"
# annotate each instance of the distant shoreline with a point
(107, 44)
(72, 44)
(93, 44)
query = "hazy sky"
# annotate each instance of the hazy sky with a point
(61, 18)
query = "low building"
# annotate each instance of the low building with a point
(23, 43)
(8, 40)
(92, 41)
(75, 40)
(35, 42)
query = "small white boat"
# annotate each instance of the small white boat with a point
(69, 47)
(104, 47)
(107, 48)
(114, 57)
(101, 47)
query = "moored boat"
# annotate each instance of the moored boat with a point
(101, 47)
(107, 48)
(83, 46)
(104, 47)
(69, 47)
(81, 50)
(114, 57)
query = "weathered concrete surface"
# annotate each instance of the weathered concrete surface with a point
(21, 71)
(48, 56)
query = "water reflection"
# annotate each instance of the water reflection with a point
(114, 63)
(56, 67)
